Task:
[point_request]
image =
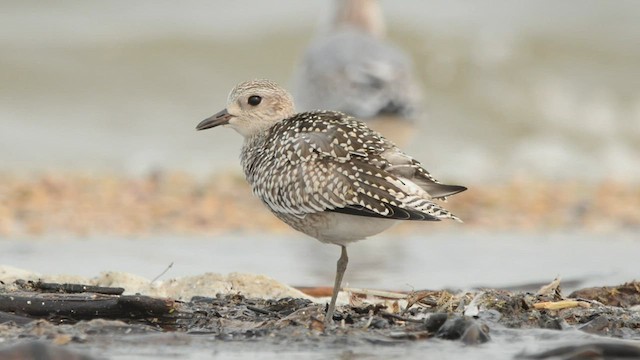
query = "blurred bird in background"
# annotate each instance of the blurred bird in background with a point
(350, 67)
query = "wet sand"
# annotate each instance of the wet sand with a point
(477, 324)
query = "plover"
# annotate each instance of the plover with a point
(325, 173)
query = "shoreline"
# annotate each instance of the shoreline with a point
(176, 203)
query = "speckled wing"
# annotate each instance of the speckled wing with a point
(327, 161)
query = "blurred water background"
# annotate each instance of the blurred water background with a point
(530, 88)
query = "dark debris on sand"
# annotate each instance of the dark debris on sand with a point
(61, 314)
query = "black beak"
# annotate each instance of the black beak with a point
(221, 118)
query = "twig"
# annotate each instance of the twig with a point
(162, 273)
(398, 317)
(559, 305)
(379, 293)
(259, 310)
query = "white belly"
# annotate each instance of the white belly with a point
(342, 229)
(336, 228)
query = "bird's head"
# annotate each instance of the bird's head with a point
(253, 107)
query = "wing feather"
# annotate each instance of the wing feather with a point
(327, 161)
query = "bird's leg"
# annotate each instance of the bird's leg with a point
(341, 268)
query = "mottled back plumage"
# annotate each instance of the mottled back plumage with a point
(328, 161)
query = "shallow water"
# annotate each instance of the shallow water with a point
(433, 261)
(504, 344)
(532, 87)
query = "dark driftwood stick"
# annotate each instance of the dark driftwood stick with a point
(85, 305)
(78, 288)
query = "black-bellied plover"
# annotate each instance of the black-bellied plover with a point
(350, 67)
(324, 173)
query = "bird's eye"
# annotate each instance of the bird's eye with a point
(254, 100)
